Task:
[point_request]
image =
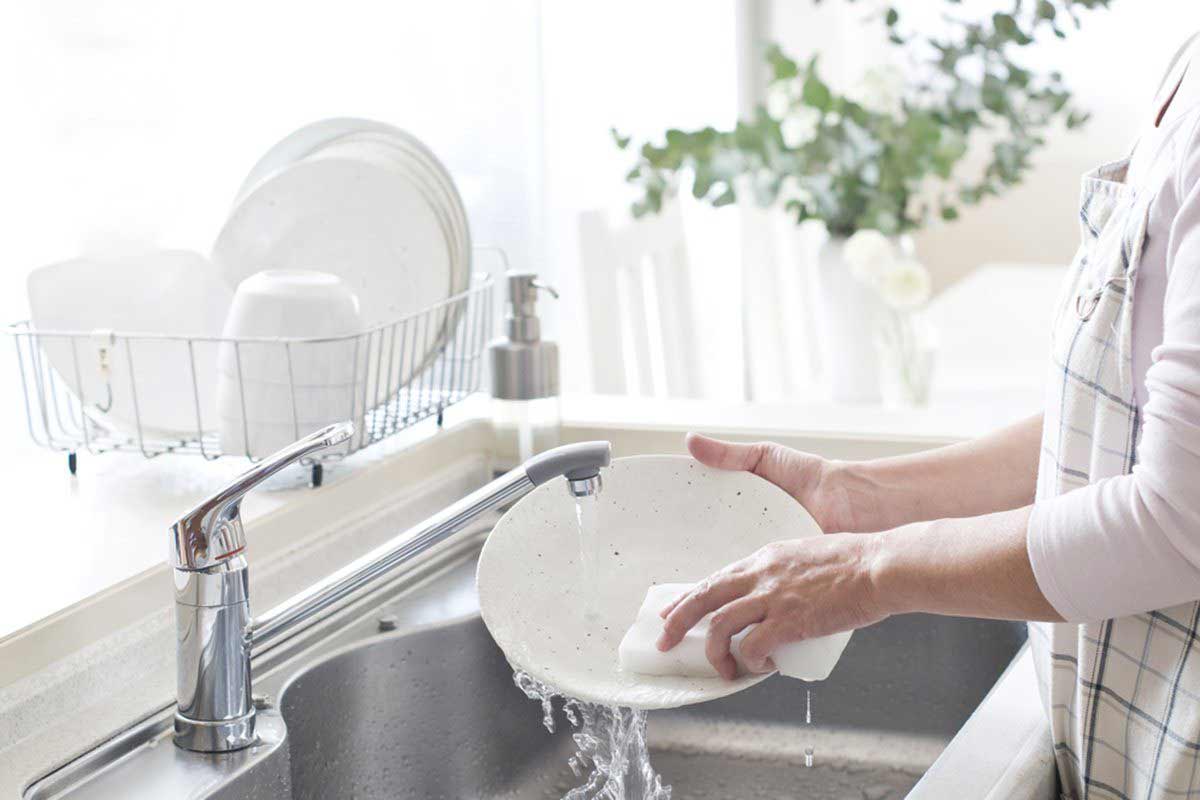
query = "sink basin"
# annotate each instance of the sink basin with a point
(434, 714)
(431, 714)
(430, 711)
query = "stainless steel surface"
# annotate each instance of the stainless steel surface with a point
(523, 365)
(212, 598)
(212, 531)
(430, 711)
(215, 711)
(425, 362)
(907, 687)
(585, 487)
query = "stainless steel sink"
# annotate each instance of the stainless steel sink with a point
(434, 714)
(429, 714)
(431, 711)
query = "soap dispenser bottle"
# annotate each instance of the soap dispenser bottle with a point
(524, 370)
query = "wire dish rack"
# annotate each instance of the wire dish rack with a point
(108, 391)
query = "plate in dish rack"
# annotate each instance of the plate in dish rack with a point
(352, 210)
(659, 519)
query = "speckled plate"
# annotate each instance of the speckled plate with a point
(660, 519)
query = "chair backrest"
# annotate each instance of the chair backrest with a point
(639, 305)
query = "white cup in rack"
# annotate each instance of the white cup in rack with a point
(292, 360)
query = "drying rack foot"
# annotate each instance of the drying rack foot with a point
(72, 462)
(318, 475)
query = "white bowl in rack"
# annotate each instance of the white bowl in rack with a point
(290, 361)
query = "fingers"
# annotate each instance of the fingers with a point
(725, 455)
(709, 595)
(726, 623)
(760, 643)
(671, 606)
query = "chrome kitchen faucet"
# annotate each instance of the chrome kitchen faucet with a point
(214, 630)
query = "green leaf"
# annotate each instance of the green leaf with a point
(1005, 24)
(782, 67)
(816, 93)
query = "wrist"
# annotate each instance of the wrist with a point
(852, 488)
(890, 574)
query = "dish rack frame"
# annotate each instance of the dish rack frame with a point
(405, 371)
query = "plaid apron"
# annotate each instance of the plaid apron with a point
(1123, 695)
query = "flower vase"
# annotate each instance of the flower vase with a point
(907, 348)
(847, 314)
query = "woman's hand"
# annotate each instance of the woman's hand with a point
(793, 590)
(812, 480)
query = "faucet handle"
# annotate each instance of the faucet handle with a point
(211, 533)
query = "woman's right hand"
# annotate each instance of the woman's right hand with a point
(812, 480)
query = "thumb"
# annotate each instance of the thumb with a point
(725, 455)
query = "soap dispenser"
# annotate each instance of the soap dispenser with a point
(524, 369)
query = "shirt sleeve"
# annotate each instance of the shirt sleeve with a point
(1131, 544)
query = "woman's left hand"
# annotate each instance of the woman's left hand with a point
(793, 590)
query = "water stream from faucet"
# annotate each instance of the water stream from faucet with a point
(612, 758)
(585, 517)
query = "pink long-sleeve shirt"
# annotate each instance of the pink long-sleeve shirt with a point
(1131, 544)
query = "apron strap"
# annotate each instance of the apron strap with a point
(1175, 62)
(1179, 56)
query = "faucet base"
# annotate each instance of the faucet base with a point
(221, 736)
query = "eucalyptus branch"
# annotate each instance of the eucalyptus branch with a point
(866, 158)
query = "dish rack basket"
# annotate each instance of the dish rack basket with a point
(404, 371)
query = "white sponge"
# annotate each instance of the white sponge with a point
(639, 653)
(810, 660)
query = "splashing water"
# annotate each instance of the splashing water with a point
(613, 759)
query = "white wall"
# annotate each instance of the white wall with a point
(1114, 65)
(136, 120)
(641, 67)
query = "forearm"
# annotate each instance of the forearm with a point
(995, 473)
(969, 567)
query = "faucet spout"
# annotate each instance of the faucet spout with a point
(579, 463)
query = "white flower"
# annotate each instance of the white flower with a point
(800, 127)
(880, 90)
(779, 100)
(906, 284)
(792, 190)
(869, 254)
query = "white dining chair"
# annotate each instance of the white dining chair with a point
(639, 301)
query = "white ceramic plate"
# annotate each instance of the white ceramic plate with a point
(347, 211)
(157, 293)
(310, 139)
(661, 519)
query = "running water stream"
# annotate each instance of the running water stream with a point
(589, 578)
(611, 759)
